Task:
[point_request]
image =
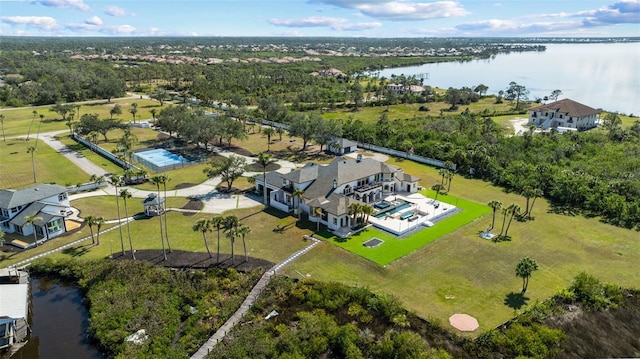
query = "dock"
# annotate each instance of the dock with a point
(14, 307)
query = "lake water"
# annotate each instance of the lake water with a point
(604, 75)
(59, 323)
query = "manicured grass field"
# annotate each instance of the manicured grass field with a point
(394, 247)
(463, 273)
(16, 171)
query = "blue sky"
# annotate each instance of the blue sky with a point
(337, 18)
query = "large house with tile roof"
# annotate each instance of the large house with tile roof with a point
(50, 202)
(565, 114)
(332, 188)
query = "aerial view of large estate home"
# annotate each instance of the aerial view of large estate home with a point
(236, 198)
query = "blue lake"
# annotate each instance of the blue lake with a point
(603, 75)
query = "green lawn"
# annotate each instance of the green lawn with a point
(16, 170)
(394, 247)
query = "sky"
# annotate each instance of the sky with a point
(333, 18)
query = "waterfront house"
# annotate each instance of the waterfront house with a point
(330, 189)
(565, 114)
(14, 307)
(49, 202)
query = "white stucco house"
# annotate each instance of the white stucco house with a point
(47, 201)
(332, 188)
(564, 114)
(341, 146)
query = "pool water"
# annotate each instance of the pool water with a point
(393, 210)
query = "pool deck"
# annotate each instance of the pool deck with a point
(425, 210)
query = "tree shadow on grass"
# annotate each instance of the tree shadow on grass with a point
(77, 251)
(515, 300)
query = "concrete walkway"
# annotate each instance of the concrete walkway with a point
(79, 160)
(248, 302)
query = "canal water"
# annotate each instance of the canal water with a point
(59, 323)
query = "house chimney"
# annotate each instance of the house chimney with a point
(359, 158)
(335, 183)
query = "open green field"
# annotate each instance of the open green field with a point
(16, 170)
(18, 121)
(394, 248)
(463, 273)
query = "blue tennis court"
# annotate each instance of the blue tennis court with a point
(159, 159)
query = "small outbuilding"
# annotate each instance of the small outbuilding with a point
(153, 205)
(341, 146)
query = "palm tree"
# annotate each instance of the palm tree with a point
(165, 179)
(31, 220)
(156, 180)
(38, 132)
(524, 269)
(90, 221)
(367, 210)
(134, 110)
(32, 150)
(443, 173)
(450, 175)
(514, 209)
(230, 228)
(217, 222)
(243, 231)
(268, 131)
(495, 205)
(99, 221)
(537, 192)
(35, 113)
(318, 213)
(505, 212)
(438, 188)
(203, 226)
(264, 160)
(116, 181)
(354, 210)
(298, 194)
(4, 138)
(125, 194)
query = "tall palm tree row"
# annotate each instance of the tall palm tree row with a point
(125, 194)
(218, 222)
(165, 179)
(204, 226)
(156, 180)
(230, 225)
(117, 182)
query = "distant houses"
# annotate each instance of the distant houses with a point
(48, 202)
(562, 115)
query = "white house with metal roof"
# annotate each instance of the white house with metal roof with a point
(50, 202)
(332, 188)
(564, 114)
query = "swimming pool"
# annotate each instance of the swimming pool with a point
(393, 210)
(159, 159)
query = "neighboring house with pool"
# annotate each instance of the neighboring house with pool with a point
(564, 115)
(330, 189)
(50, 202)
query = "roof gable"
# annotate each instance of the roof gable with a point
(13, 198)
(568, 106)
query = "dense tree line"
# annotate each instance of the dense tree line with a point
(595, 172)
(48, 78)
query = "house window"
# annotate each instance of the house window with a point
(19, 229)
(560, 116)
(14, 209)
(62, 196)
(347, 189)
(5, 213)
(54, 226)
(335, 220)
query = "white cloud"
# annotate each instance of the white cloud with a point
(118, 29)
(313, 21)
(621, 12)
(360, 26)
(401, 10)
(509, 27)
(75, 4)
(94, 20)
(115, 11)
(40, 22)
